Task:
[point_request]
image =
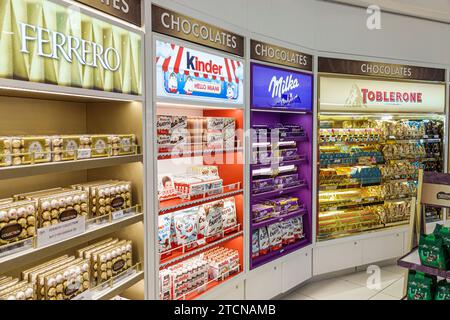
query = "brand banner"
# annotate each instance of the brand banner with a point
(182, 72)
(41, 41)
(357, 95)
(280, 88)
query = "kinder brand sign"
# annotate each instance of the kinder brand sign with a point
(50, 43)
(182, 72)
(347, 94)
(280, 88)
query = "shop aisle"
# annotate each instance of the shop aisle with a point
(353, 287)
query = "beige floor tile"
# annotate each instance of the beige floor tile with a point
(382, 296)
(296, 296)
(361, 278)
(395, 289)
(320, 289)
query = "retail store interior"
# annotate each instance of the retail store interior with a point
(215, 150)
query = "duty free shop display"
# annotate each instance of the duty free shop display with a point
(23, 214)
(22, 150)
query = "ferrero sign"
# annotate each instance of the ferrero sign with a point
(50, 43)
(279, 55)
(377, 69)
(173, 24)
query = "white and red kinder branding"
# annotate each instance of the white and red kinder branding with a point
(396, 97)
(179, 59)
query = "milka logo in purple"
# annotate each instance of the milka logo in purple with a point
(279, 86)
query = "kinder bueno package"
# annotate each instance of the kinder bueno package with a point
(298, 228)
(166, 187)
(263, 185)
(214, 219)
(214, 140)
(204, 170)
(229, 214)
(255, 243)
(288, 232)
(164, 223)
(201, 228)
(189, 186)
(275, 236)
(214, 124)
(163, 141)
(262, 211)
(163, 125)
(229, 133)
(186, 227)
(264, 244)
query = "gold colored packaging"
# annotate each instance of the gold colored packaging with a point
(80, 252)
(21, 291)
(68, 282)
(5, 152)
(26, 272)
(17, 221)
(36, 149)
(127, 145)
(101, 146)
(33, 275)
(113, 261)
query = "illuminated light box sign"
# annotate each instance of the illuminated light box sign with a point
(50, 43)
(358, 95)
(280, 88)
(186, 73)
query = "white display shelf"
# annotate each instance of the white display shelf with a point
(118, 287)
(64, 166)
(29, 256)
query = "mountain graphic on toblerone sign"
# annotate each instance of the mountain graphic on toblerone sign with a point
(355, 99)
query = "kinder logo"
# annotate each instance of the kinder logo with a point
(279, 86)
(396, 97)
(194, 63)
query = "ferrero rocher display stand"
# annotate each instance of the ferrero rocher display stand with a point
(378, 125)
(70, 117)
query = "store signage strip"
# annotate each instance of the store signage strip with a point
(436, 189)
(283, 56)
(377, 69)
(361, 95)
(173, 24)
(128, 10)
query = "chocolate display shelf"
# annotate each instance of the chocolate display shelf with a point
(171, 205)
(261, 260)
(303, 159)
(196, 153)
(287, 216)
(278, 192)
(171, 260)
(411, 261)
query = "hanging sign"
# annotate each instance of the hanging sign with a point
(182, 72)
(378, 69)
(280, 88)
(128, 10)
(436, 189)
(360, 95)
(50, 43)
(283, 56)
(173, 24)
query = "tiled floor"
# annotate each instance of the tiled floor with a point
(357, 286)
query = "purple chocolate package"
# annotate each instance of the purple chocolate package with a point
(287, 181)
(261, 212)
(263, 185)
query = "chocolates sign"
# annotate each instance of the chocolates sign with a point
(50, 43)
(377, 69)
(360, 95)
(279, 55)
(128, 10)
(280, 88)
(182, 72)
(180, 26)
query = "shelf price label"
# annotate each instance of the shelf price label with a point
(83, 153)
(61, 231)
(85, 295)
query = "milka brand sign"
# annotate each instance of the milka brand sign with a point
(55, 45)
(349, 94)
(280, 88)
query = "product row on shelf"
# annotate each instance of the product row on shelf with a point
(69, 276)
(369, 168)
(23, 150)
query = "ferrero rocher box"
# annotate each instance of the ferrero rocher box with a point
(31, 34)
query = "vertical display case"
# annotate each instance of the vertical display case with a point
(199, 125)
(281, 120)
(375, 132)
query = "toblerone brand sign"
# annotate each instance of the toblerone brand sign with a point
(180, 26)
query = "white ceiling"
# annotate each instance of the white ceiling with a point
(438, 10)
